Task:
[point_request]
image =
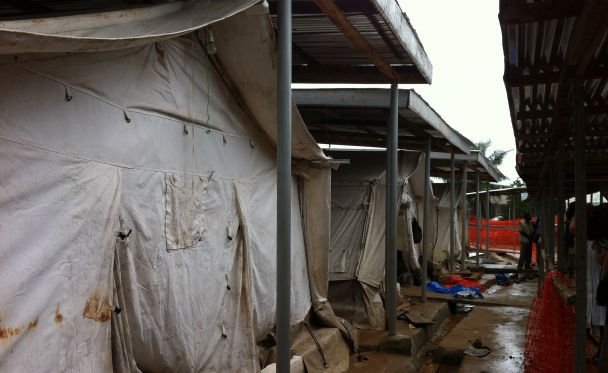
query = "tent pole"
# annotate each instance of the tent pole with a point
(465, 218)
(477, 219)
(580, 191)
(426, 222)
(561, 259)
(452, 212)
(390, 243)
(488, 220)
(283, 312)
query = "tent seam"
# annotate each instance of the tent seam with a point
(79, 157)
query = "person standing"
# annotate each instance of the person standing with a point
(569, 240)
(525, 239)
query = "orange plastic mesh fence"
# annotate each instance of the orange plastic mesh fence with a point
(550, 332)
(503, 234)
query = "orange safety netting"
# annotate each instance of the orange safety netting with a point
(550, 332)
(504, 236)
(454, 280)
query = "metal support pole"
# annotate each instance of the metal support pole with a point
(465, 218)
(550, 250)
(543, 232)
(580, 191)
(477, 219)
(488, 220)
(283, 313)
(452, 211)
(426, 220)
(513, 196)
(561, 244)
(390, 243)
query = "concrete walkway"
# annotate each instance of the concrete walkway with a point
(502, 329)
(499, 320)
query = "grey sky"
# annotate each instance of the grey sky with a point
(463, 42)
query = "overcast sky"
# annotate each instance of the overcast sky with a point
(463, 42)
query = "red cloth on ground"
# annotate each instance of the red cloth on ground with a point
(454, 280)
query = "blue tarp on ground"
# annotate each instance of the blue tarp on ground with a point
(436, 288)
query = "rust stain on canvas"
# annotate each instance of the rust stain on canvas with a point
(97, 307)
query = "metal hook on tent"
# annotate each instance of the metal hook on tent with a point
(251, 143)
(185, 129)
(227, 282)
(223, 330)
(122, 235)
(127, 119)
(68, 94)
(224, 137)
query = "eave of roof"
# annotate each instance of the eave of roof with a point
(358, 117)
(476, 162)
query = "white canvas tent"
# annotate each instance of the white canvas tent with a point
(441, 249)
(358, 200)
(138, 203)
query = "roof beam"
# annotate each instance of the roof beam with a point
(301, 53)
(352, 74)
(567, 112)
(515, 12)
(421, 134)
(341, 21)
(513, 79)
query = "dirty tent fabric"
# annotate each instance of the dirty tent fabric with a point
(358, 209)
(118, 192)
(441, 248)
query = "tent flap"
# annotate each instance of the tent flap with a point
(114, 30)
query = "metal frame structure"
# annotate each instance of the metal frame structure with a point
(284, 105)
(555, 77)
(390, 53)
(374, 117)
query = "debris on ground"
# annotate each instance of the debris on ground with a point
(468, 294)
(508, 279)
(477, 349)
(464, 308)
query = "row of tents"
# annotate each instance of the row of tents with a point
(138, 199)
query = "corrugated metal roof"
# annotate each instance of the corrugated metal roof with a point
(359, 117)
(323, 54)
(539, 67)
